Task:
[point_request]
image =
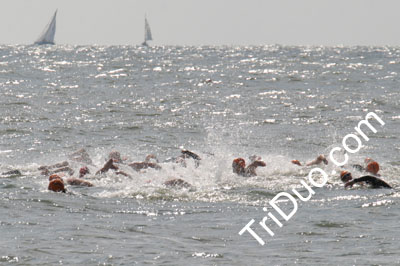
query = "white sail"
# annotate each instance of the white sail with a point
(147, 32)
(147, 35)
(47, 36)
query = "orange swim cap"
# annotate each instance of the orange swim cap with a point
(345, 174)
(296, 162)
(54, 176)
(239, 161)
(56, 185)
(373, 168)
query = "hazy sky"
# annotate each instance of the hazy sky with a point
(215, 22)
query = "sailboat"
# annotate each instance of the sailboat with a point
(147, 32)
(47, 36)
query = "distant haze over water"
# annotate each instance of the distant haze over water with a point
(189, 22)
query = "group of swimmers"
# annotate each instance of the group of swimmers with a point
(58, 171)
(58, 178)
(372, 168)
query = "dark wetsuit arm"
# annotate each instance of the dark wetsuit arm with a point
(191, 154)
(372, 180)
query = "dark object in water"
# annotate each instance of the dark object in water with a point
(144, 165)
(78, 182)
(107, 166)
(13, 172)
(57, 185)
(373, 181)
(177, 183)
(56, 168)
(187, 153)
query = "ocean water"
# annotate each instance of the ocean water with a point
(277, 102)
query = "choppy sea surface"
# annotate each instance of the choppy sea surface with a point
(277, 102)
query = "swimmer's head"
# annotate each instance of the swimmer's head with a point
(56, 185)
(373, 168)
(345, 176)
(115, 156)
(296, 162)
(54, 176)
(83, 171)
(238, 165)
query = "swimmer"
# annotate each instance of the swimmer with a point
(186, 154)
(113, 158)
(82, 156)
(110, 165)
(57, 185)
(372, 167)
(137, 166)
(107, 166)
(297, 162)
(239, 167)
(56, 168)
(78, 182)
(320, 159)
(177, 182)
(83, 171)
(116, 157)
(12, 173)
(373, 181)
(72, 181)
(189, 154)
